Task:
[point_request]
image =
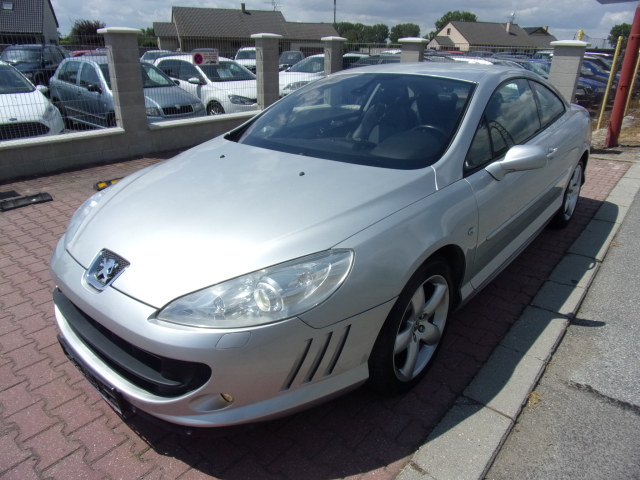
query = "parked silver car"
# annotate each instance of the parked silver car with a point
(319, 246)
(81, 89)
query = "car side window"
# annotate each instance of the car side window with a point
(69, 72)
(47, 56)
(170, 67)
(551, 107)
(89, 76)
(510, 118)
(187, 71)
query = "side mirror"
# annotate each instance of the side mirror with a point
(94, 88)
(519, 158)
(42, 89)
(195, 81)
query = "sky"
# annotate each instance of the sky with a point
(563, 17)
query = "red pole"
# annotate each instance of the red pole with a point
(626, 75)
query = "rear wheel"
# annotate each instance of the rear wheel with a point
(570, 199)
(410, 336)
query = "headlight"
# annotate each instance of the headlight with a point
(50, 113)
(153, 112)
(239, 100)
(266, 296)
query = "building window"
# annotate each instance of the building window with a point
(7, 5)
(448, 31)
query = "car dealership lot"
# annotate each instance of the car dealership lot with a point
(54, 423)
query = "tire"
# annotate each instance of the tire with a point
(409, 338)
(570, 198)
(214, 108)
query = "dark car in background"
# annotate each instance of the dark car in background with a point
(36, 62)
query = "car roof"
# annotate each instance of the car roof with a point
(461, 71)
(188, 57)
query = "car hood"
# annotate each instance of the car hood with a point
(22, 107)
(222, 209)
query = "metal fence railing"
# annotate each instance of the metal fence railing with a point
(199, 77)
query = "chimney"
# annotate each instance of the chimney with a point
(243, 8)
(509, 27)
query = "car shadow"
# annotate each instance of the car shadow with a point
(362, 432)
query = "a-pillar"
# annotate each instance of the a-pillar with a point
(126, 79)
(412, 49)
(565, 66)
(333, 51)
(267, 56)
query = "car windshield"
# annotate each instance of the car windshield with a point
(13, 82)
(309, 65)
(16, 55)
(541, 68)
(153, 77)
(385, 120)
(246, 55)
(226, 72)
(290, 57)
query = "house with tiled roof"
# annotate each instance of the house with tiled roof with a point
(229, 29)
(470, 36)
(27, 21)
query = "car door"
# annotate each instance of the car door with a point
(65, 90)
(92, 95)
(187, 71)
(514, 207)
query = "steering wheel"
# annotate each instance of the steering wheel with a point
(432, 128)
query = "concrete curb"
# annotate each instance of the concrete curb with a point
(465, 442)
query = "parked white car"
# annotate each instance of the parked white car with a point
(225, 87)
(309, 70)
(246, 56)
(24, 110)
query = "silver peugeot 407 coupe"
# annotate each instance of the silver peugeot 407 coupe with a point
(320, 245)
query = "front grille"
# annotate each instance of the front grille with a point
(178, 110)
(162, 376)
(22, 130)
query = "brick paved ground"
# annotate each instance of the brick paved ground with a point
(55, 425)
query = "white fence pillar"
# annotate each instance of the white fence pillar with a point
(412, 49)
(333, 51)
(267, 56)
(126, 78)
(565, 66)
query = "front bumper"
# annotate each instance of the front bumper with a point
(233, 376)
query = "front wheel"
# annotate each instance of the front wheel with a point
(214, 108)
(410, 336)
(570, 199)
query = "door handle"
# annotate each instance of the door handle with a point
(551, 152)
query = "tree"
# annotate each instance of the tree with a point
(148, 38)
(378, 33)
(452, 16)
(620, 30)
(404, 30)
(359, 33)
(84, 32)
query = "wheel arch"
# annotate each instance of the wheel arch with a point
(455, 259)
